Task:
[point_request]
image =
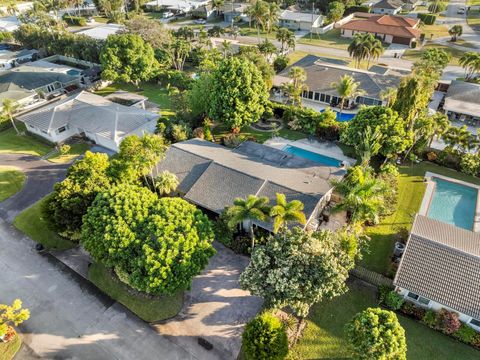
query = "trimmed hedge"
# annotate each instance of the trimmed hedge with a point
(427, 19)
(75, 20)
(354, 9)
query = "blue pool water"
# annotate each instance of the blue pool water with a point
(453, 203)
(73, 72)
(343, 117)
(318, 158)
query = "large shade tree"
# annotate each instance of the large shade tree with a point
(65, 207)
(376, 334)
(238, 93)
(127, 58)
(156, 245)
(297, 270)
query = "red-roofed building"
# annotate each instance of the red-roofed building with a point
(388, 28)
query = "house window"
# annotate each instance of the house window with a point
(317, 96)
(310, 94)
(418, 298)
(475, 322)
(327, 98)
(61, 129)
(305, 94)
(412, 296)
(322, 97)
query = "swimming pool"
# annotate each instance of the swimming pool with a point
(453, 203)
(343, 117)
(318, 158)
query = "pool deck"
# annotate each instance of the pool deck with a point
(427, 197)
(326, 148)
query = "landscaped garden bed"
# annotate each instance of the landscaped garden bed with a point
(148, 308)
(10, 348)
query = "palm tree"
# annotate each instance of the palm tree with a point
(455, 31)
(358, 49)
(347, 88)
(226, 48)
(286, 38)
(248, 210)
(267, 49)
(166, 182)
(459, 137)
(389, 94)
(272, 15)
(294, 88)
(374, 49)
(470, 61)
(362, 195)
(370, 145)
(259, 12)
(8, 109)
(284, 212)
(217, 4)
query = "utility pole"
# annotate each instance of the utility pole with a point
(311, 26)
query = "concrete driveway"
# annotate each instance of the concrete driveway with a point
(215, 309)
(41, 175)
(70, 318)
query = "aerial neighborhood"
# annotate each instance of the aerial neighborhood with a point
(258, 180)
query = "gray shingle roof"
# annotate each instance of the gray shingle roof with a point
(442, 263)
(212, 176)
(92, 113)
(320, 77)
(30, 77)
(464, 91)
(388, 4)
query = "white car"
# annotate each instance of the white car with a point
(167, 15)
(200, 21)
(461, 11)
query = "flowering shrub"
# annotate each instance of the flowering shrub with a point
(413, 310)
(448, 321)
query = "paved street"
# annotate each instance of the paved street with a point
(70, 319)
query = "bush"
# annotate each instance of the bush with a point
(413, 310)
(427, 19)
(470, 164)
(75, 20)
(476, 341)
(430, 319)
(265, 338)
(280, 63)
(232, 140)
(241, 245)
(448, 321)
(465, 334)
(223, 233)
(64, 149)
(432, 156)
(393, 300)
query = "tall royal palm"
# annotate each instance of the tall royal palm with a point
(294, 88)
(470, 61)
(247, 211)
(8, 109)
(258, 13)
(374, 50)
(272, 15)
(347, 88)
(286, 38)
(284, 212)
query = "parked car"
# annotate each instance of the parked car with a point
(167, 15)
(200, 21)
(461, 11)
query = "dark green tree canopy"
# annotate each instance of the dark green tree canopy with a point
(127, 58)
(376, 334)
(71, 198)
(238, 93)
(157, 244)
(395, 139)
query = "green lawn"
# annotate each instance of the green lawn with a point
(246, 31)
(31, 222)
(154, 92)
(8, 350)
(473, 18)
(12, 143)
(415, 54)
(100, 19)
(324, 336)
(75, 151)
(434, 31)
(331, 39)
(11, 181)
(147, 308)
(410, 195)
(261, 136)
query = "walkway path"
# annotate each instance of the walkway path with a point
(41, 176)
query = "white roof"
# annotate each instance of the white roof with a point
(101, 32)
(181, 5)
(299, 16)
(92, 113)
(463, 98)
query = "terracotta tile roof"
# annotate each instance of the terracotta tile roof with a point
(386, 24)
(442, 263)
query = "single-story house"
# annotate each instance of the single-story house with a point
(388, 28)
(462, 101)
(321, 75)
(391, 7)
(440, 268)
(236, 10)
(9, 59)
(206, 12)
(99, 119)
(212, 176)
(412, 4)
(101, 32)
(296, 20)
(176, 6)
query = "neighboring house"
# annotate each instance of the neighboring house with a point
(390, 7)
(101, 120)
(388, 28)
(321, 76)
(410, 5)
(462, 101)
(103, 31)
(9, 59)
(212, 176)
(440, 268)
(233, 11)
(295, 20)
(206, 12)
(176, 6)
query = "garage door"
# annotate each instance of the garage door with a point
(400, 40)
